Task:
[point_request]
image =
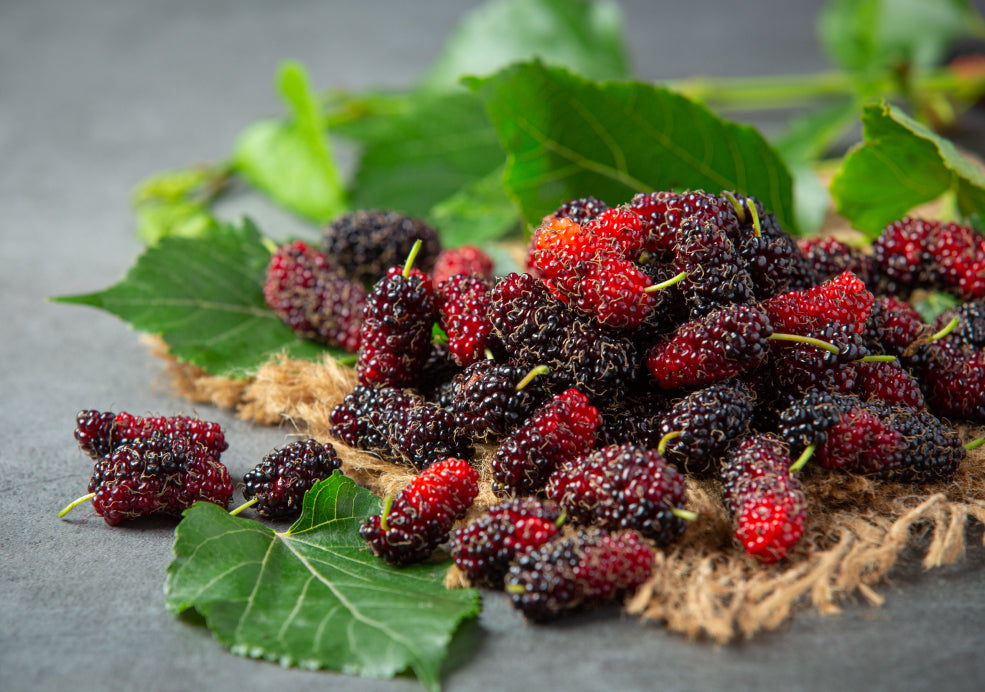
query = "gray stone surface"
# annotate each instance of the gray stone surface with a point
(95, 96)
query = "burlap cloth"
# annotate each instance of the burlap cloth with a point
(705, 585)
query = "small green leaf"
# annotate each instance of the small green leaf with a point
(934, 303)
(430, 149)
(315, 596)
(204, 297)
(567, 137)
(585, 37)
(292, 160)
(177, 202)
(868, 36)
(478, 213)
(900, 165)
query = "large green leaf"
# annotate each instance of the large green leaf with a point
(900, 165)
(479, 212)
(868, 36)
(204, 297)
(584, 36)
(567, 137)
(291, 160)
(315, 596)
(425, 151)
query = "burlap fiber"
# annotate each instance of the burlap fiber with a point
(705, 585)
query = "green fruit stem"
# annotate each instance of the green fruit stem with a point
(876, 359)
(248, 503)
(757, 226)
(677, 278)
(947, 329)
(975, 444)
(387, 506)
(685, 514)
(408, 265)
(780, 336)
(802, 459)
(76, 503)
(740, 210)
(539, 370)
(662, 445)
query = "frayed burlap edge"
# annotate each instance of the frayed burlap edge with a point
(704, 586)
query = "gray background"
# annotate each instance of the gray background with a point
(94, 97)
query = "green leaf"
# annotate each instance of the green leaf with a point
(934, 303)
(315, 596)
(292, 160)
(478, 213)
(204, 297)
(177, 202)
(900, 165)
(868, 36)
(585, 37)
(567, 137)
(429, 150)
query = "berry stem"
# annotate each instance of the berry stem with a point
(876, 359)
(739, 208)
(539, 370)
(677, 278)
(947, 329)
(76, 503)
(685, 514)
(757, 226)
(514, 588)
(975, 444)
(248, 503)
(662, 445)
(780, 336)
(387, 506)
(411, 257)
(802, 459)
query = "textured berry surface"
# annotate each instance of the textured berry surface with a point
(707, 420)
(359, 420)
(579, 571)
(423, 514)
(100, 432)
(484, 549)
(422, 434)
(953, 381)
(715, 347)
(281, 479)
(157, 475)
(843, 299)
(462, 303)
(888, 382)
(487, 402)
(755, 456)
(312, 298)
(664, 212)
(932, 450)
(465, 259)
(366, 243)
(830, 257)
(581, 210)
(716, 275)
(622, 487)
(770, 518)
(561, 429)
(395, 335)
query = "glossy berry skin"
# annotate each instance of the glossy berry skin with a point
(100, 432)
(893, 325)
(484, 549)
(830, 257)
(312, 297)
(860, 442)
(771, 516)
(708, 420)
(843, 299)
(763, 454)
(486, 400)
(953, 380)
(932, 450)
(623, 486)
(157, 475)
(423, 514)
(359, 419)
(664, 213)
(888, 382)
(364, 244)
(716, 275)
(613, 290)
(716, 347)
(581, 210)
(281, 479)
(577, 572)
(465, 259)
(562, 428)
(395, 335)
(422, 434)
(462, 302)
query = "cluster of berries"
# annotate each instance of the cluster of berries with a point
(147, 465)
(677, 334)
(320, 293)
